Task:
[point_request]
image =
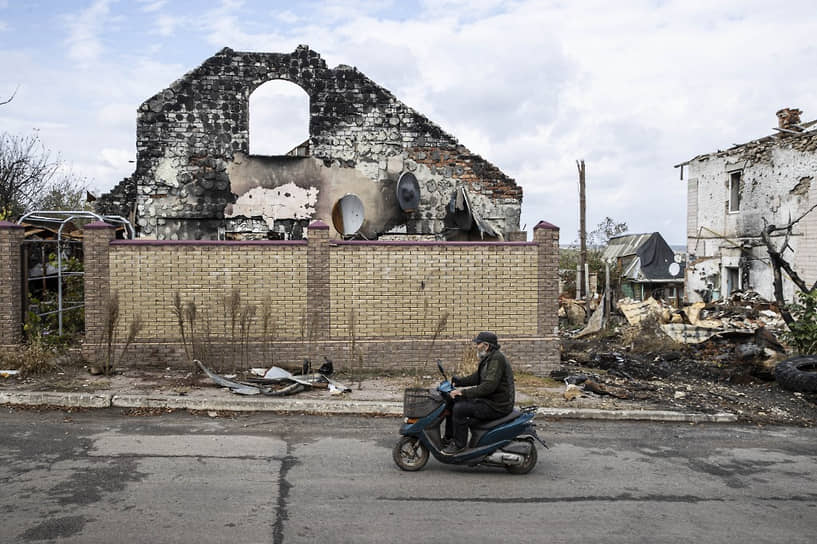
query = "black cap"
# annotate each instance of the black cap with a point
(488, 338)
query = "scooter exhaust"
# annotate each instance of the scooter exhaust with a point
(503, 458)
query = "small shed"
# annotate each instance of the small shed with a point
(645, 266)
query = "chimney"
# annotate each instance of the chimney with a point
(789, 119)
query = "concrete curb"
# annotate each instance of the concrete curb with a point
(338, 406)
(50, 398)
(637, 415)
(260, 404)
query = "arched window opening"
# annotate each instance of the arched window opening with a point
(279, 119)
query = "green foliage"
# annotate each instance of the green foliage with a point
(606, 229)
(45, 328)
(597, 241)
(803, 332)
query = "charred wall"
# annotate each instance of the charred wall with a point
(194, 171)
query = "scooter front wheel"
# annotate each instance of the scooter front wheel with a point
(410, 454)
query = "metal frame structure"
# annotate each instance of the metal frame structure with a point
(63, 217)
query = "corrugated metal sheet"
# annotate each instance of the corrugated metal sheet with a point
(622, 246)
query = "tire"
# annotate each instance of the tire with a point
(529, 462)
(798, 373)
(409, 454)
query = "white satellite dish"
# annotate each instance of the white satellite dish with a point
(348, 214)
(674, 269)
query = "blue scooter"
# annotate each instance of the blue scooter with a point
(507, 442)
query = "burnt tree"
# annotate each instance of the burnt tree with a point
(780, 264)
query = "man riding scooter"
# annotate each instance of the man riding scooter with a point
(489, 393)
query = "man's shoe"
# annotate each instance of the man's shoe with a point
(451, 449)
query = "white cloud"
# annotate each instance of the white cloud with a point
(118, 158)
(166, 24)
(286, 17)
(531, 85)
(152, 5)
(117, 115)
(84, 43)
(3, 26)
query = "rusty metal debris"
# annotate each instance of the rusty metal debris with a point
(276, 382)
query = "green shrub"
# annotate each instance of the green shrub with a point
(802, 333)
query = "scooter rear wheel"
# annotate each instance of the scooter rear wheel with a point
(529, 462)
(410, 454)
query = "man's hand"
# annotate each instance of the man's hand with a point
(455, 393)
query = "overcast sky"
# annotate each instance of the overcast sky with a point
(632, 87)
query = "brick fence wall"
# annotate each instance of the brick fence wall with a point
(402, 304)
(11, 297)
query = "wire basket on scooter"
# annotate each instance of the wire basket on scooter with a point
(419, 402)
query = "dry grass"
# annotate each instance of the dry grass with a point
(523, 380)
(33, 359)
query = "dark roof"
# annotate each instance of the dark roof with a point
(654, 257)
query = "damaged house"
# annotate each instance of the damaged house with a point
(732, 195)
(645, 266)
(371, 166)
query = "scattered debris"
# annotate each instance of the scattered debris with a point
(277, 382)
(635, 312)
(572, 392)
(8, 373)
(712, 357)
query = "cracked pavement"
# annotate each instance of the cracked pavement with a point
(103, 476)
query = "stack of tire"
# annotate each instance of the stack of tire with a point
(798, 373)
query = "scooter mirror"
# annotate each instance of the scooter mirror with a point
(442, 370)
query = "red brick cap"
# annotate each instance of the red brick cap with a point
(545, 225)
(7, 225)
(318, 224)
(98, 225)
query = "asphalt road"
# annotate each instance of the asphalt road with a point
(100, 476)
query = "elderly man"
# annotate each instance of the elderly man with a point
(489, 393)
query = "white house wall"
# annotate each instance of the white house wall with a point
(777, 185)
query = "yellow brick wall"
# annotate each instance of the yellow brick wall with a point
(146, 277)
(405, 290)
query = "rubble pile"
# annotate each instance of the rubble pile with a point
(709, 358)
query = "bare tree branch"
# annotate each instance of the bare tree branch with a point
(11, 97)
(780, 264)
(30, 178)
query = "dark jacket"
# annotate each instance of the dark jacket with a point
(492, 382)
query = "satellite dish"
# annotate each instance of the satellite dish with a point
(347, 214)
(674, 269)
(408, 192)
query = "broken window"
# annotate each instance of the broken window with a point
(734, 191)
(732, 280)
(279, 119)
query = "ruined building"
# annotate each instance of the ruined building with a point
(733, 194)
(371, 166)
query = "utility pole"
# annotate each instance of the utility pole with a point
(581, 290)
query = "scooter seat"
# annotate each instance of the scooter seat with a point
(484, 425)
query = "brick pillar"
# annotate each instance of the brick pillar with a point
(547, 236)
(96, 249)
(11, 288)
(317, 279)
(518, 236)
